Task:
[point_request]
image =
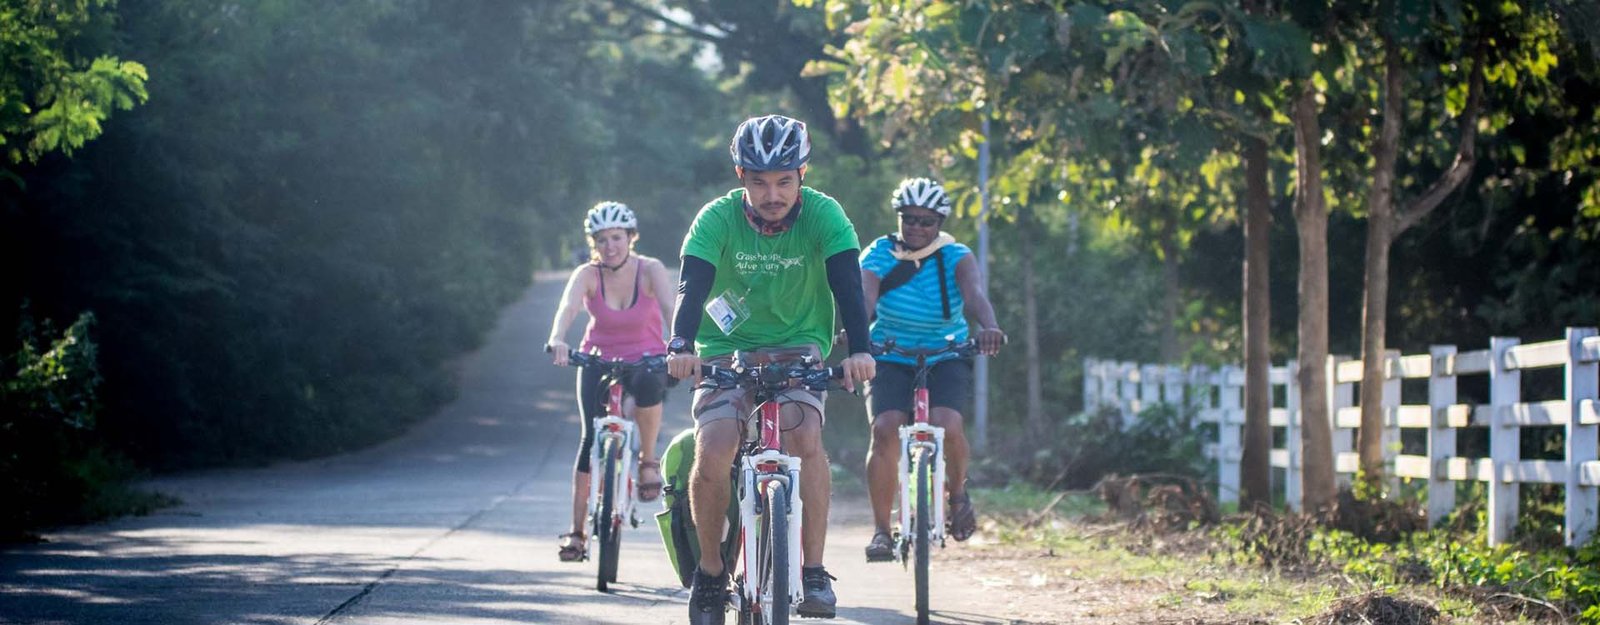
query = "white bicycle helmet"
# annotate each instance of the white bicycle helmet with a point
(770, 143)
(607, 215)
(921, 193)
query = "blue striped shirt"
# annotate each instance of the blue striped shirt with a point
(913, 314)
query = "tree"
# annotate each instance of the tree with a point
(53, 98)
(775, 39)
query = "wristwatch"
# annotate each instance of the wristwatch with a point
(679, 346)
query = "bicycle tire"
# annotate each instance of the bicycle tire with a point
(924, 493)
(608, 530)
(775, 559)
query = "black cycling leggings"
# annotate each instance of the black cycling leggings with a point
(647, 389)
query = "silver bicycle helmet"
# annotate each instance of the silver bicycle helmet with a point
(770, 143)
(607, 215)
(921, 193)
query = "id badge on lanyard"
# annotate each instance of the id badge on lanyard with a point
(728, 310)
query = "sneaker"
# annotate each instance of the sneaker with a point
(708, 599)
(819, 602)
(881, 547)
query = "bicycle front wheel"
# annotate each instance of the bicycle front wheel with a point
(774, 557)
(924, 509)
(608, 525)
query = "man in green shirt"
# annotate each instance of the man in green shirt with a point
(765, 266)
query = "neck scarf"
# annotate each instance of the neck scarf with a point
(771, 228)
(918, 255)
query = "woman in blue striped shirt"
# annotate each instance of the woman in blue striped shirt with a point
(921, 285)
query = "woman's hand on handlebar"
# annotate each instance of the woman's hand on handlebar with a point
(858, 368)
(990, 340)
(685, 366)
(558, 350)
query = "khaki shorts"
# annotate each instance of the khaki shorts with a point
(712, 404)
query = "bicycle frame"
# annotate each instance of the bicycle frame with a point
(768, 464)
(613, 431)
(920, 437)
(759, 466)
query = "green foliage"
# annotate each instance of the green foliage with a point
(52, 98)
(1086, 447)
(323, 204)
(1465, 563)
(48, 405)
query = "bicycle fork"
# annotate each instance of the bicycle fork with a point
(922, 438)
(756, 472)
(620, 430)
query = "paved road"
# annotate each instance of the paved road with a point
(455, 522)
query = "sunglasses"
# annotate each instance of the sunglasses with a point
(920, 222)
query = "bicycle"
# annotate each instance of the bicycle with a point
(613, 492)
(767, 481)
(922, 470)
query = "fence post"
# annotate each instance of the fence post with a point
(1391, 415)
(1130, 392)
(1229, 437)
(1582, 399)
(1505, 391)
(1109, 391)
(1340, 395)
(1293, 491)
(1441, 437)
(1091, 385)
(1149, 386)
(1172, 392)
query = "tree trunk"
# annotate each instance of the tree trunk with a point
(1311, 222)
(1171, 351)
(1256, 465)
(1380, 217)
(1030, 330)
(1384, 223)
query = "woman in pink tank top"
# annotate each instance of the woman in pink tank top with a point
(627, 296)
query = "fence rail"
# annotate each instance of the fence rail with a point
(1216, 395)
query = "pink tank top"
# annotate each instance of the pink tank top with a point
(625, 334)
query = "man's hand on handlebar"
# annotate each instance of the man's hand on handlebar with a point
(990, 340)
(858, 368)
(685, 366)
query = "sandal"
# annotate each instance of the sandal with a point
(881, 547)
(649, 490)
(963, 520)
(573, 547)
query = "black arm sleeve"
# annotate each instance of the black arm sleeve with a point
(694, 284)
(844, 278)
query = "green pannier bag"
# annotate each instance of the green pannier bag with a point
(675, 521)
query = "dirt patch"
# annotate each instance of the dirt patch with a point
(1377, 609)
(1034, 584)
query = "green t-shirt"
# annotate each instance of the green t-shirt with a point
(781, 278)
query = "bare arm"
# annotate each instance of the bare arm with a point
(571, 305)
(977, 306)
(666, 294)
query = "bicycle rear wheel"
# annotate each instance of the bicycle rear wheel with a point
(924, 509)
(608, 527)
(774, 557)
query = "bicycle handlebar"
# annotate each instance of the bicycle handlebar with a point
(650, 363)
(964, 349)
(772, 377)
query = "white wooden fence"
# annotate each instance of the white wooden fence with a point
(1217, 394)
